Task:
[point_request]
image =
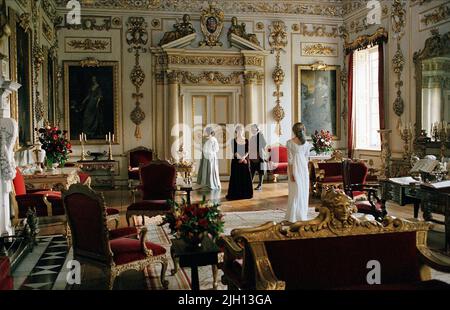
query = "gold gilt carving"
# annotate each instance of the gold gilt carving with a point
(239, 30)
(137, 38)
(38, 60)
(47, 30)
(210, 77)
(336, 219)
(319, 49)
(90, 23)
(441, 13)
(49, 9)
(259, 26)
(254, 61)
(206, 60)
(89, 62)
(181, 29)
(317, 31)
(398, 17)
(211, 24)
(89, 44)
(381, 35)
(278, 41)
(115, 4)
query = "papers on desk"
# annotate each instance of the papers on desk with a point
(425, 165)
(403, 180)
(442, 184)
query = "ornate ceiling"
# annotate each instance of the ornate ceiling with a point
(329, 8)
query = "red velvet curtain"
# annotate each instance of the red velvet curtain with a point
(350, 105)
(381, 83)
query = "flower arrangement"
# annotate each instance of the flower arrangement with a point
(322, 141)
(55, 144)
(192, 222)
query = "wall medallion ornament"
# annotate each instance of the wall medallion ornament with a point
(137, 38)
(211, 24)
(277, 42)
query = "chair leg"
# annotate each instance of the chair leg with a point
(214, 272)
(110, 278)
(164, 282)
(143, 220)
(127, 216)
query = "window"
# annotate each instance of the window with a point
(365, 94)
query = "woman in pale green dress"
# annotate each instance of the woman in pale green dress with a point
(208, 171)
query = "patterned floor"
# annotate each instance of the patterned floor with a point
(45, 268)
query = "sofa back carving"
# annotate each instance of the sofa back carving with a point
(329, 251)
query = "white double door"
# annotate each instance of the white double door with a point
(218, 109)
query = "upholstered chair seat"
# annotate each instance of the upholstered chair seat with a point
(6, 281)
(126, 250)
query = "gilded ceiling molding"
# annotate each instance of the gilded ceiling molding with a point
(381, 35)
(398, 18)
(317, 31)
(278, 41)
(439, 14)
(210, 77)
(330, 8)
(137, 38)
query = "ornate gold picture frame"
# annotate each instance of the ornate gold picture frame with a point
(91, 100)
(317, 103)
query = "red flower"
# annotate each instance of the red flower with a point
(203, 223)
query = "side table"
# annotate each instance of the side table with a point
(184, 256)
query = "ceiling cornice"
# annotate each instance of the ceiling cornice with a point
(324, 8)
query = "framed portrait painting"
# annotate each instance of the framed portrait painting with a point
(317, 102)
(91, 99)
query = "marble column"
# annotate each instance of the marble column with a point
(159, 115)
(8, 137)
(173, 112)
(250, 96)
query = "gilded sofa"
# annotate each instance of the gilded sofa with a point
(333, 251)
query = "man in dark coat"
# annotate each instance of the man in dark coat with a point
(257, 145)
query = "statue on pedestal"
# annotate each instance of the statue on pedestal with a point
(8, 137)
(182, 29)
(239, 30)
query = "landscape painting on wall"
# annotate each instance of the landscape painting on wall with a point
(91, 96)
(318, 98)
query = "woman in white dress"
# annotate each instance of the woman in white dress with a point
(208, 171)
(298, 153)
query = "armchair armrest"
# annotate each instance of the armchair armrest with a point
(143, 238)
(230, 246)
(428, 258)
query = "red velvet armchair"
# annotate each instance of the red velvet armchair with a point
(137, 157)
(278, 161)
(367, 201)
(45, 203)
(158, 180)
(327, 173)
(113, 251)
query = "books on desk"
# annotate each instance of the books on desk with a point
(403, 180)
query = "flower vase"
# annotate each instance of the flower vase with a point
(51, 165)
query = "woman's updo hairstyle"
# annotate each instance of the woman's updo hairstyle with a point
(209, 131)
(299, 132)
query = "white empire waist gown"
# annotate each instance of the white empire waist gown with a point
(208, 172)
(297, 209)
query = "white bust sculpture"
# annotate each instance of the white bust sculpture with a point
(8, 136)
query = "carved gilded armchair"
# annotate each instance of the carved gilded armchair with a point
(113, 251)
